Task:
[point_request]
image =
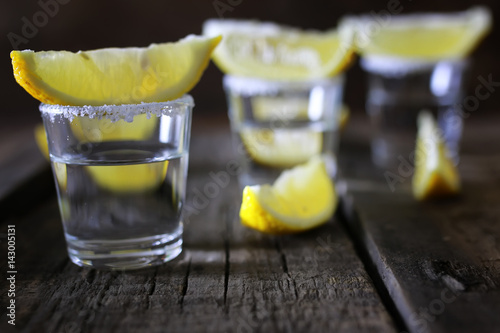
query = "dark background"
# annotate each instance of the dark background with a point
(85, 24)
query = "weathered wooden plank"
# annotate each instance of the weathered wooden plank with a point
(54, 295)
(309, 282)
(439, 262)
(228, 279)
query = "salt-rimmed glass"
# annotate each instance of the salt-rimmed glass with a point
(277, 125)
(120, 173)
(398, 89)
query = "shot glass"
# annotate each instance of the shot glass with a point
(120, 173)
(277, 125)
(397, 91)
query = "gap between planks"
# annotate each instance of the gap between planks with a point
(349, 220)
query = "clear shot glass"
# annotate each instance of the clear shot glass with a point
(277, 125)
(120, 173)
(398, 90)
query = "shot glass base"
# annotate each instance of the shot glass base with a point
(125, 255)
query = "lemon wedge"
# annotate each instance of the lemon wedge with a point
(435, 174)
(281, 148)
(271, 51)
(421, 36)
(300, 199)
(156, 73)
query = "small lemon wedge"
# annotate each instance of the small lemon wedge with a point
(156, 73)
(301, 198)
(271, 51)
(435, 174)
(428, 36)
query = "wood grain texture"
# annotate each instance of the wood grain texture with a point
(228, 279)
(438, 262)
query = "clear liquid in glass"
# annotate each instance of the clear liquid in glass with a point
(122, 208)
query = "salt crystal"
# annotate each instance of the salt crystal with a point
(125, 112)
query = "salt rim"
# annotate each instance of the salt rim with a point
(254, 86)
(215, 27)
(117, 112)
(478, 13)
(396, 67)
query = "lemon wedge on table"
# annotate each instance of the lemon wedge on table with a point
(421, 36)
(300, 199)
(156, 73)
(435, 174)
(271, 51)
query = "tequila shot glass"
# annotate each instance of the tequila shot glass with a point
(120, 173)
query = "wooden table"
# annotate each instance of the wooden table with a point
(384, 263)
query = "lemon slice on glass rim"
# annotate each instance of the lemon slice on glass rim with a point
(423, 36)
(157, 73)
(271, 51)
(105, 78)
(300, 199)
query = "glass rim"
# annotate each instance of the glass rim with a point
(398, 66)
(252, 85)
(120, 111)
